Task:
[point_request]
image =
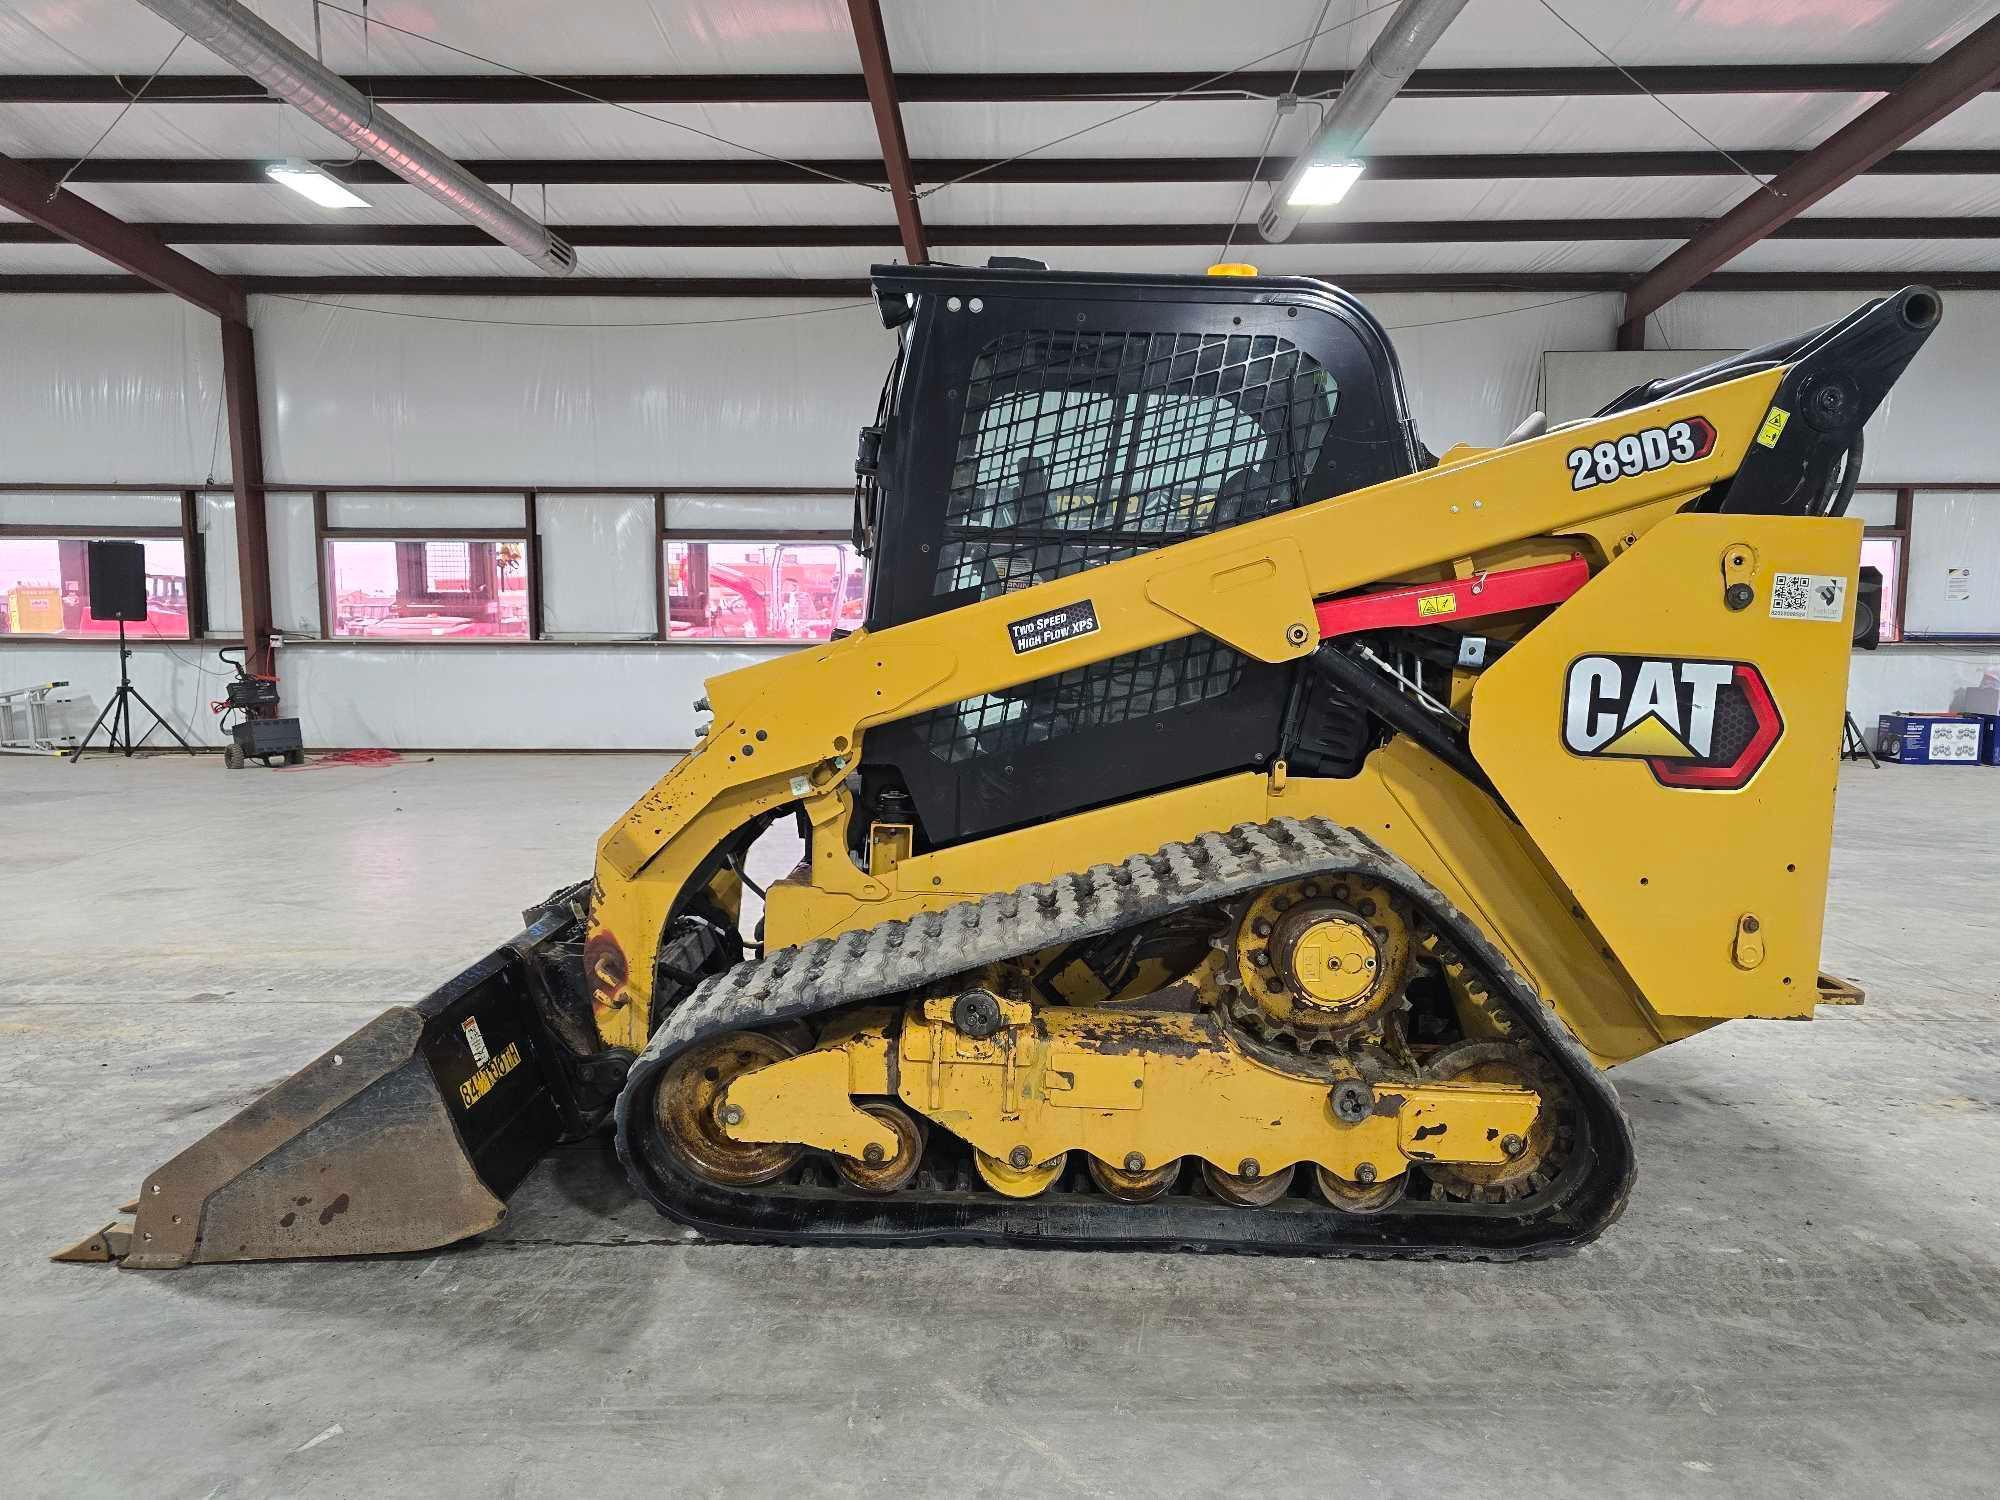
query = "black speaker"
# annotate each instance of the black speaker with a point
(118, 580)
(1868, 609)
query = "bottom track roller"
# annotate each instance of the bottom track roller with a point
(1019, 1177)
(1247, 1187)
(885, 1170)
(1134, 1182)
(1356, 1197)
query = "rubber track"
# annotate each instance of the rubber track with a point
(896, 957)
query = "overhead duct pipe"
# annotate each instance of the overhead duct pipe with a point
(259, 52)
(1411, 33)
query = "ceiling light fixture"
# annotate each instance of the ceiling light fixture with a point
(309, 181)
(1323, 184)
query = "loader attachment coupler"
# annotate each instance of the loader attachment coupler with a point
(407, 1136)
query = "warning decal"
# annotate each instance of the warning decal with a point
(1053, 626)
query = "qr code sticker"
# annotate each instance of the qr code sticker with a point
(1808, 596)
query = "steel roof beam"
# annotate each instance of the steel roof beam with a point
(974, 88)
(55, 213)
(873, 45)
(1968, 70)
(757, 171)
(1030, 236)
(842, 288)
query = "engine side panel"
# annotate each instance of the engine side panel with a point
(1670, 739)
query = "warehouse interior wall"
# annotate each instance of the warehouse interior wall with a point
(699, 394)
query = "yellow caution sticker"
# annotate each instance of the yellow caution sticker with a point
(1437, 604)
(1773, 428)
(480, 1084)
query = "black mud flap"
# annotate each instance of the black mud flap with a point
(407, 1136)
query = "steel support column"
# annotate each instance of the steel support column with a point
(246, 475)
(38, 197)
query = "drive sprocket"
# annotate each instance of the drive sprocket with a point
(1316, 965)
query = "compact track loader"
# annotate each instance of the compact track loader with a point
(1235, 828)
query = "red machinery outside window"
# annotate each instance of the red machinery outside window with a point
(424, 590)
(763, 591)
(45, 589)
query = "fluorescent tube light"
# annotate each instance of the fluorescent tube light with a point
(307, 180)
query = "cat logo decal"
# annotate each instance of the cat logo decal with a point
(1701, 724)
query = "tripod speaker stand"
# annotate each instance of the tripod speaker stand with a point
(118, 592)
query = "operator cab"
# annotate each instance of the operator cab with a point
(1036, 424)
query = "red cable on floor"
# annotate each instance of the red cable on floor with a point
(351, 758)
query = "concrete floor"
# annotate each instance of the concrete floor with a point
(1803, 1299)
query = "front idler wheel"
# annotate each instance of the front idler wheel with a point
(689, 1111)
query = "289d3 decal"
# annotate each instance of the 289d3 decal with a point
(1640, 452)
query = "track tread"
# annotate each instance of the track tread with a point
(897, 956)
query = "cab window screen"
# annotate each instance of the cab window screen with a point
(1078, 449)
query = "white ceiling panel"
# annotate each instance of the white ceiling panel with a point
(619, 260)
(1941, 196)
(1236, 127)
(1522, 33)
(256, 203)
(58, 259)
(1975, 124)
(1870, 255)
(1497, 198)
(358, 260)
(1623, 123)
(1025, 35)
(468, 130)
(396, 260)
(703, 204)
(397, 203)
(671, 36)
(590, 130)
(981, 202)
(599, 36)
(1181, 127)
(977, 131)
(176, 130)
(1575, 197)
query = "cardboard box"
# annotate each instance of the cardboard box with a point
(1989, 739)
(1930, 739)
